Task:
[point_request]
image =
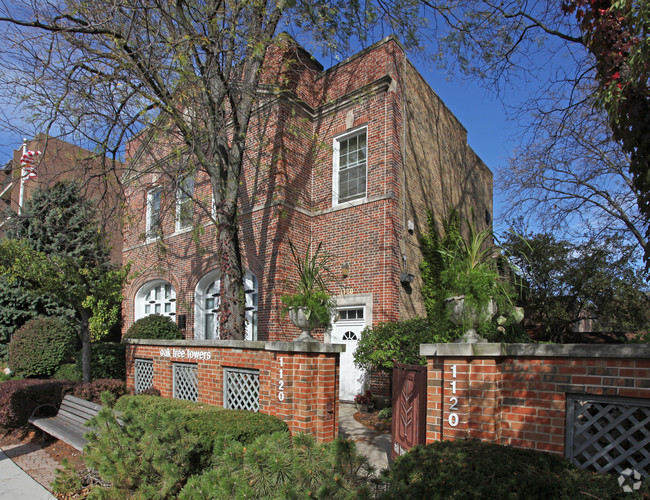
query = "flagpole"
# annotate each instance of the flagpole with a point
(21, 194)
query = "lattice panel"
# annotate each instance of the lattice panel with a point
(186, 382)
(242, 389)
(143, 375)
(609, 433)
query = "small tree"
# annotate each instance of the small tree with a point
(59, 249)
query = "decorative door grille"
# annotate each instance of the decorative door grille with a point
(143, 375)
(186, 382)
(608, 433)
(241, 389)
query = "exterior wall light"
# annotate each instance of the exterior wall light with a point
(406, 278)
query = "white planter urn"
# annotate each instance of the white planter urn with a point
(299, 318)
(461, 315)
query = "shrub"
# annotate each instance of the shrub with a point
(108, 360)
(278, 467)
(40, 346)
(92, 391)
(383, 344)
(385, 413)
(162, 442)
(474, 469)
(154, 326)
(68, 371)
(19, 398)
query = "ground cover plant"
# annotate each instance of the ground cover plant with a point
(475, 469)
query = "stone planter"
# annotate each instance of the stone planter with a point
(461, 315)
(299, 318)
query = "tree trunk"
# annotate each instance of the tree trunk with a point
(84, 334)
(232, 310)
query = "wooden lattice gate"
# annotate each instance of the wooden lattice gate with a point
(409, 407)
(608, 433)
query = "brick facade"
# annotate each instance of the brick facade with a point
(517, 394)
(417, 159)
(305, 373)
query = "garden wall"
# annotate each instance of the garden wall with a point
(297, 382)
(516, 394)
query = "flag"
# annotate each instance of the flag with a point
(28, 162)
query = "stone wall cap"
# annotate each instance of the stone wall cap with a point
(538, 350)
(243, 344)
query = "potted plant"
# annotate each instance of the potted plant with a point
(310, 304)
(472, 288)
(364, 402)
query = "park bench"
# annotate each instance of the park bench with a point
(68, 423)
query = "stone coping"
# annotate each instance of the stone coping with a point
(315, 347)
(633, 351)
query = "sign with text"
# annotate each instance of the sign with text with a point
(172, 352)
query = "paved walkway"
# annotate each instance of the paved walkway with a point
(373, 444)
(23, 471)
(26, 470)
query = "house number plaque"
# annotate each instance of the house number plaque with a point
(281, 381)
(453, 401)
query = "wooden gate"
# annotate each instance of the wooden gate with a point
(409, 407)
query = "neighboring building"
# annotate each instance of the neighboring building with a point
(352, 156)
(59, 160)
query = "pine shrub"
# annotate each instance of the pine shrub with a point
(475, 469)
(154, 326)
(40, 346)
(279, 467)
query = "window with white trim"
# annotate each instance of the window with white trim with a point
(207, 301)
(155, 297)
(350, 167)
(153, 212)
(184, 203)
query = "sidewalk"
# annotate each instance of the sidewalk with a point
(373, 444)
(18, 483)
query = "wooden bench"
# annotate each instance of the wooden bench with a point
(68, 424)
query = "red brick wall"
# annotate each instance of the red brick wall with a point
(516, 394)
(307, 373)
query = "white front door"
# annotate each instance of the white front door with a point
(347, 330)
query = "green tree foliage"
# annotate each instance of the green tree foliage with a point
(18, 305)
(382, 345)
(280, 466)
(567, 283)
(58, 249)
(40, 346)
(154, 326)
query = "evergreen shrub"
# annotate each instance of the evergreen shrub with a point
(154, 326)
(19, 398)
(108, 360)
(475, 469)
(68, 371)
(160, 443)
(40, 346)
(277, 466)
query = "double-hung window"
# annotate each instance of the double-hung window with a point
(153, 213)
(350, 167)
(184, 205)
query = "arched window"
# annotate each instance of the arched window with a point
(207, 301)
(155, 297)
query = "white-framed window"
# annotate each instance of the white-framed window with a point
(154, 196)
(155, 297)
(184, 203)
(349, 179)
(207, 302)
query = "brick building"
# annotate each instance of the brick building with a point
(352, 156)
